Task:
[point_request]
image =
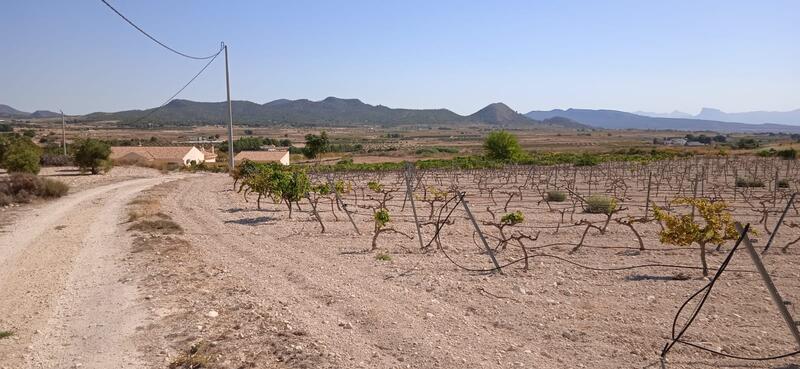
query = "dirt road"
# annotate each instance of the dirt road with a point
(63, 277)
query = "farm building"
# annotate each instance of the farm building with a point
(184, 155)
(264, 156)
(209, 156)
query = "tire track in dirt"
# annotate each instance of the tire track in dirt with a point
(60, 276)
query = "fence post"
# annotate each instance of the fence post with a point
(410, 196)
(480, 234)
(343, 205)
(773, 292)
(647, 200)
(780, 221)
(694, 193)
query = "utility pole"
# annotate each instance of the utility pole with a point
(63, 132)
(230, 112)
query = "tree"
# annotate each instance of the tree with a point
(22, 156)
(501, 145)
(316, 145)
(92, 155)
(683, 230)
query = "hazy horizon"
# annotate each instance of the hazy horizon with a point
(735, 56)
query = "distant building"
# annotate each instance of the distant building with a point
(209, 156)
(183, 155)
(264, 156)
(678, 141)
(695, 143)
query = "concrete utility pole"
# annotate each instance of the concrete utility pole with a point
(231, 164)
(63, 132)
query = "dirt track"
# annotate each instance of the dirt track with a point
(62, 280)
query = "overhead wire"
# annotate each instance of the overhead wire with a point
(156, 40)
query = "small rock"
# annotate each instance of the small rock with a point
(212, 314)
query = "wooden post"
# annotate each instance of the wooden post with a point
(410, 196)
(773, 292)
(480, 234)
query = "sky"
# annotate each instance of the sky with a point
(629, 55)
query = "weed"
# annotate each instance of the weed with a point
(383, 257)
(163, 226)
(556, 196)
(6, 334)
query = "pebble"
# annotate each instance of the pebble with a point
(212, 314)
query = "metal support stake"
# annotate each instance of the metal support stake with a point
(410, 196)
(231, 163)
(342, 204)
(780, 221)
(478, 229)
(647, 201)
(773, 292)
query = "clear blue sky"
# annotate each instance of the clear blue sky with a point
(461, 55)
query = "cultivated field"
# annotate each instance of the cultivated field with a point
(195, 274)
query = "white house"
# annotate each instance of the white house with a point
(676, 141)
(264, 156)
(167, 154)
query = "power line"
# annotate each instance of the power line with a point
(154, 39)
(213, 57)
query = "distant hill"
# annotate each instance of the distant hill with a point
(9, 112)
(752, 117)
(674, 114)
(614, 119)
(779, 117)
(330, 111)
(499, 113)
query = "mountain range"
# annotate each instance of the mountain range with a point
(334, 111)
(9, 112)
(330, 111)
(752, 117)
(615, 119)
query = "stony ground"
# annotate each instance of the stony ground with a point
(154, 272)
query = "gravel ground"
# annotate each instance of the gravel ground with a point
(255, 289)
(199, 276)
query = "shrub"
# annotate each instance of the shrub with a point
(502, 145)
(24, 187)
(92, 155)
(56, 160)
(597, 204)
(749, 182)
(783, 183)
(556, 196)
(22, 157)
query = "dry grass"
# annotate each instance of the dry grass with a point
(162, 226)
(195, 358)
(24, 188)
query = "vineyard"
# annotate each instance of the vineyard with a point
(517, 220)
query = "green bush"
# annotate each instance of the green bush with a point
(597, 204)
(749, 182)
(556, 196)
(22, 157)
(503, 146)
(92, 155)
